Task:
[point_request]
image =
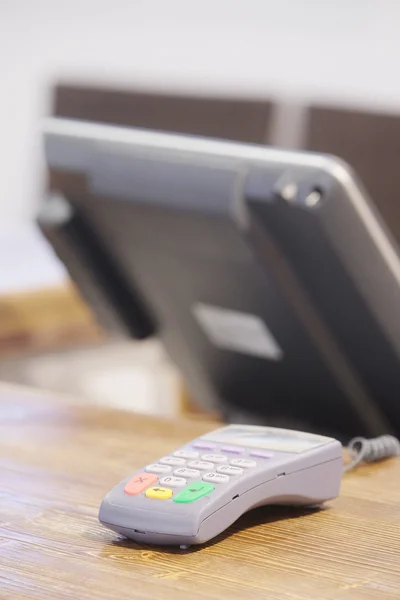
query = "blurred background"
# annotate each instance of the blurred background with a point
(310, 74)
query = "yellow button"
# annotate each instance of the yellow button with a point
(159, 493)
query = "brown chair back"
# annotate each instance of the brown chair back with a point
(370, 143)
(225, 118)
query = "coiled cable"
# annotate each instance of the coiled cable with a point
(364, 450)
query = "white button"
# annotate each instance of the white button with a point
(243, 462)
(228, 470)
(172, 460)
(189, 454)
(173, 481)
(184, 472)
(216, 478)
(215, 458)
(158, 469)
(201, 464)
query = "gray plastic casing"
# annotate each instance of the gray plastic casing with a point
(297, 479)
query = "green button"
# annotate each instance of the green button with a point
(194, 491)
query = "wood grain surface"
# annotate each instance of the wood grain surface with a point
(45, 319)
(57, 460)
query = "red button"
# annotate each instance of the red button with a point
(139, 482)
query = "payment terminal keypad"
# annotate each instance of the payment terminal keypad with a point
(194, 472)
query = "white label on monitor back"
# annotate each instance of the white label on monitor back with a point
(237, 331)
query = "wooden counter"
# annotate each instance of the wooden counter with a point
(57, 460)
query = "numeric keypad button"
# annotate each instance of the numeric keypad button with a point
(187, 473)
(156, 468)
(174, 461)
(188, 454)
(229, 470)
(216, 478)
(171, 481)
(215, 458)
(201, 465)
(243, 463)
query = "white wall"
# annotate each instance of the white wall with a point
(344, 50)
